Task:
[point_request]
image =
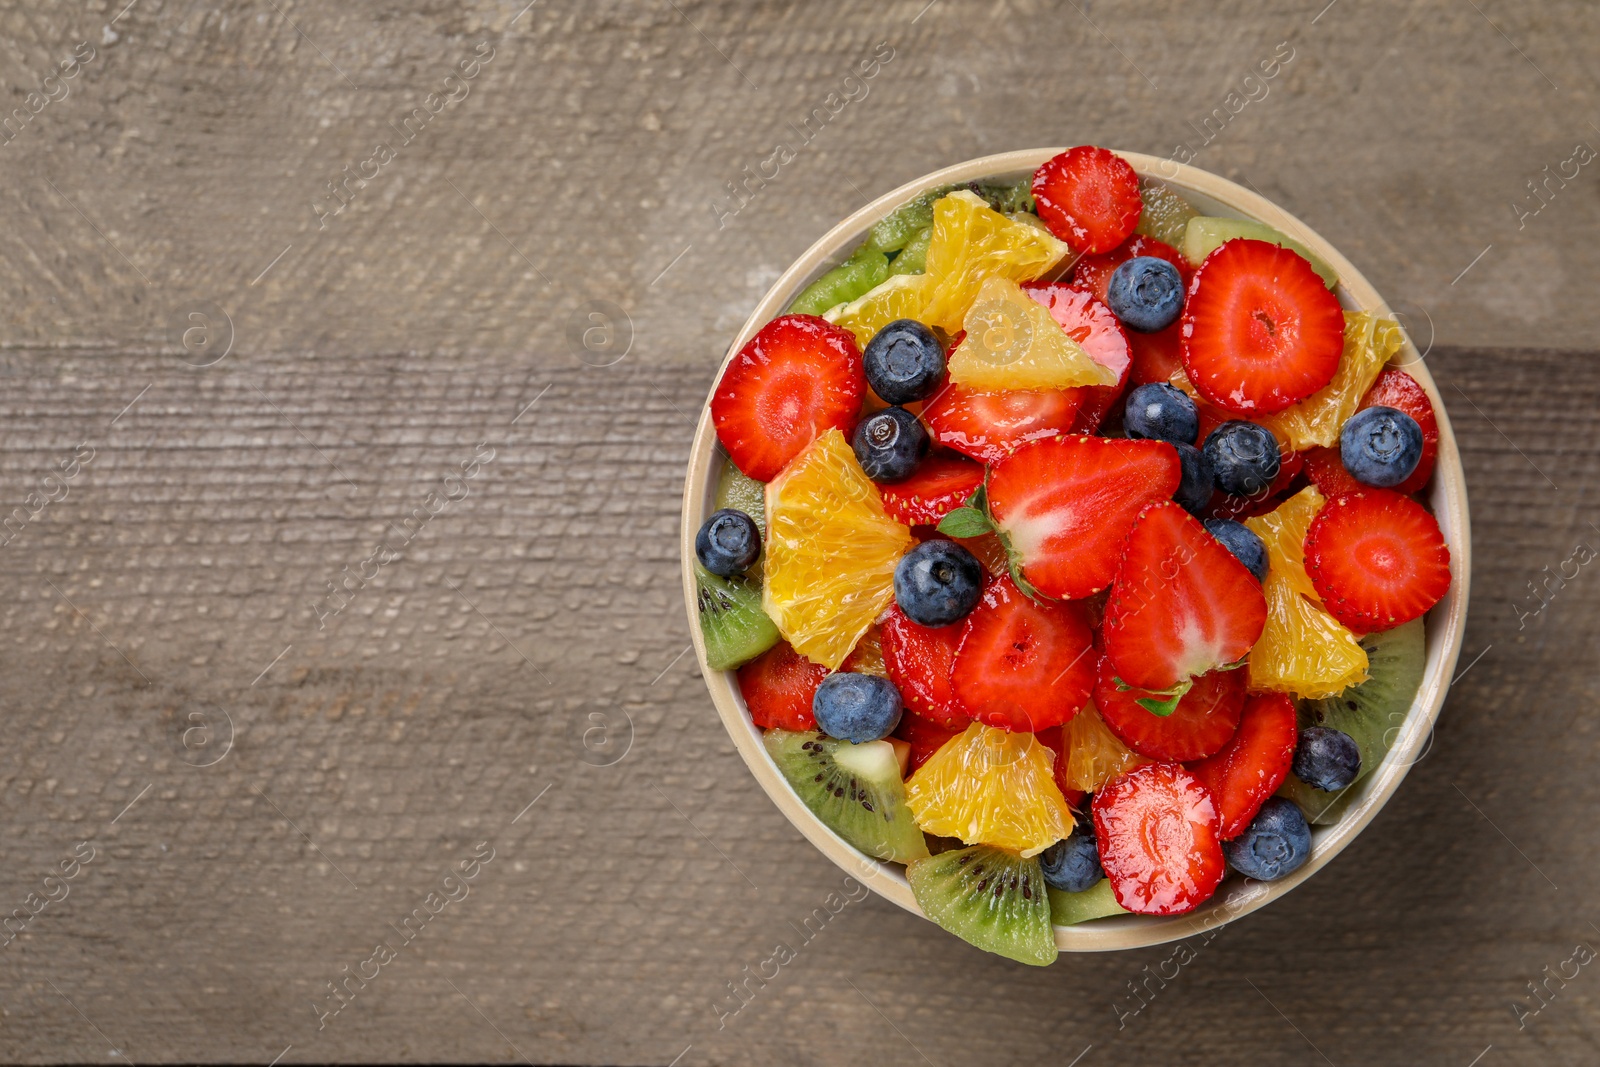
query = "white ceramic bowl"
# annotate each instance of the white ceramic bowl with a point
(1211, 195)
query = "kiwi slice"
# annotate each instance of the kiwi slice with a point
(850, 280)
(1204, 234)
(1372, 713)
(1165, 213)
(735, 628)
(1096, 902)
(989, 897)
(739, 491)
(855, 789)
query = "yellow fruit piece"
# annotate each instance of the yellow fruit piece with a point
(1094, 755)
(831, 551)
(867, 656)
(901, 297)
(1013, 342)
(991, 787)
(1284, 531)
(973, 242)
(1369, 342)
(1303, 650)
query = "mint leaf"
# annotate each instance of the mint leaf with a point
(965, 522)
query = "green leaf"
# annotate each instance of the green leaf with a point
(965, 522)
(1153, 703)
(980, 498)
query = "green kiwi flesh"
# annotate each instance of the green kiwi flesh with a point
(854, 789)
(735, 628)
(1372, 713)
(1096, 902)
(989, 897)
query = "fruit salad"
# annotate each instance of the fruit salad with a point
(1068, 549)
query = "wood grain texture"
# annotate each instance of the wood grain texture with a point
(179, 577)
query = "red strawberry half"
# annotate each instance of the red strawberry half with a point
(924, 737)
(1181, 605)
(1377, 559)
(919, 660)
(1090, 323)
(1157, 831)
(1088, 197)
(1397, 389)
(798, 377)
(988, 426)
(1023, 665)
(1252, 766)
(778, 686)
(1326, 470)
(1158, 356)
(1065, 504)
(939, 485)
(1205, 720)
(1093, 273)
(1260, 329)
(1051, 738)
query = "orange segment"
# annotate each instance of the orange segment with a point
(972, 242)
(901, 297)
(1013, 342)
(1369, 342)
(1284, 531)
(991, 787)
(831, 551)
(1302, 650)
(1094, 755)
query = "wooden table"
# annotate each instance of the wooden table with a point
(341, 559)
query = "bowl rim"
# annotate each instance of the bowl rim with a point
(1445, 623)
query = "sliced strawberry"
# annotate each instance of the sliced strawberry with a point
(1205, 720)
(1065, 504)
(778, 686)
(988, 426)
(798, 377)
(1260, 329)
(1181, 605)
(1397, 389)
(1157, 357)
(919, 659)
(1326, 470)
(1051, 738)
(1223, 506)
(1090, 323)
(924, 737)
(1023, 665)
(1092, 274)
(1377, 559)
(940, 484)
(1157, 831)
(1252, 766)
(1088, 197)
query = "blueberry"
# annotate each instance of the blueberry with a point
(1146, 293)
(1244, 457)
(1194, 492)
(937, 583)
(1277, 842)
(856, 707)
(1160, 412)
(1073, 864)
(890, 444)
(1380, 446)
(728, 543)
(1326, 759)
(903, 362)
(1242, 541)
